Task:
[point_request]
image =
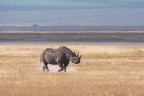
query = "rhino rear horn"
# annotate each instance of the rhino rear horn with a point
(74, 53)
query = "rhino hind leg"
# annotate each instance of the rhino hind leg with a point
(45, 67)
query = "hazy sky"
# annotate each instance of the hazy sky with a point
(74, 3)
(72, 12)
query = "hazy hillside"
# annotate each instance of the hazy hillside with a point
(72, 37)
(71, 28)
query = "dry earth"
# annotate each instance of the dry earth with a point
(107, 69)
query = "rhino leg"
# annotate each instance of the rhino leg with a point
(61, 67)
(65, 66)
(66, 63)
(45, 67)
(64, 69)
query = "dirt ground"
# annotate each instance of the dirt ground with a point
(106, 69)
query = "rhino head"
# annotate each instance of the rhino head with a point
(76, 58)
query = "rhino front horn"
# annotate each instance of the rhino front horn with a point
(78, 54)
(80, 57)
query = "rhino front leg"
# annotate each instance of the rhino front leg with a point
(61, 67)
(65, 66)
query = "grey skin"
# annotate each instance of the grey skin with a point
(60, 56)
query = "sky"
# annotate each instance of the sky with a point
(71, 3)
(72, 12)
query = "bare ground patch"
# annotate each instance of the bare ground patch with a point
(55, 68)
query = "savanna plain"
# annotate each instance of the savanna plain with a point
(106, 69)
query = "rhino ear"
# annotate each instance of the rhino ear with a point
(74, 53)
(80, 57)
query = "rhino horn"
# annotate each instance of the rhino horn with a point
(80, 57)
(77, 54)
(74, 53)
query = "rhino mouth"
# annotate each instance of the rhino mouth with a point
(76, 62)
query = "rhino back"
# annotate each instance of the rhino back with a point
(54, 57)
(42, 54)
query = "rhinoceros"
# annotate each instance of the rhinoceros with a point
(60, 56)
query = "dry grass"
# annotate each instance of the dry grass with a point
(107, 69)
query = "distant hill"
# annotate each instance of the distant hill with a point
(71, 28)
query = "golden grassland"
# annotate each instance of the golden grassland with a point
(106, 69)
